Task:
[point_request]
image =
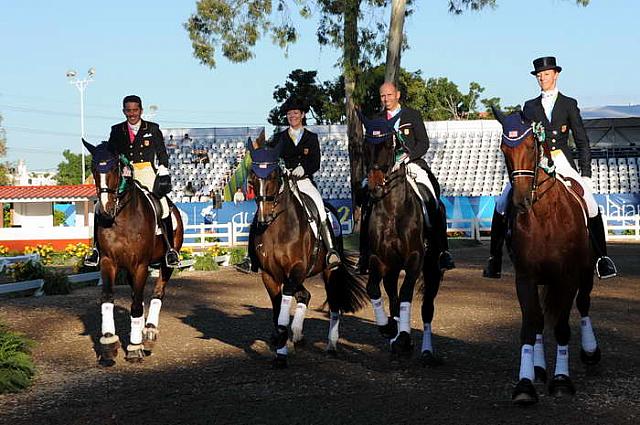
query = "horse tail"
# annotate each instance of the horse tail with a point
(345, 292)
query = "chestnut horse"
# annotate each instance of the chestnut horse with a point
(288, 252)
(549, 245)
(126, 234)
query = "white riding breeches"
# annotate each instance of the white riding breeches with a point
(420, 176)
(143, 173)
(564, 168)
(305, 186)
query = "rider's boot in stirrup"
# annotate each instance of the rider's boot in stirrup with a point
(333, 256)
(605, 268)
(171, 257)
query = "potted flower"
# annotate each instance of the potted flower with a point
(220, 254)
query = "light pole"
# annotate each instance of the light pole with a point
(81, 85)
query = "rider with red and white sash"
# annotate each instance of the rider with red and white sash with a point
(558, 114)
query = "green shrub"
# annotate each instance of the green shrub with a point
(16, 367)
(237, 255)
(56, 283)
(205, 263)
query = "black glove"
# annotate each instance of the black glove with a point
(162, 186)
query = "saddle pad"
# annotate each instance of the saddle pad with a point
(160, 210)
(576, 189)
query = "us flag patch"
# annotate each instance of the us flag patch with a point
(513, 133)
(376, 133)
(262, 165)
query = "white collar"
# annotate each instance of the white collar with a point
(395, 111)
(550, 93)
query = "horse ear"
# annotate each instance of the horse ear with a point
(498, 114)
(89, 146)
(250, 146)
(260, 140)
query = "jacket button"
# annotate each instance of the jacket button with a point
(555, 132)
(553, 140)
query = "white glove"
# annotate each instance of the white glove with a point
(589, 183)
(403, 158)
(298, 171)
(163, 171)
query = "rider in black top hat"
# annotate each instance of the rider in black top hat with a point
(560, 115)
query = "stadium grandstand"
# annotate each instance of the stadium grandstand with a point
(464, 155)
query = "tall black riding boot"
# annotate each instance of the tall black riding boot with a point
(171, 257)
(93, 258)
(498, 231)
(250, 262)
(333, 256)
(446, 260)
(605, 268)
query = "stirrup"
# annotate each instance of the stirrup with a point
(445, 261)
(608, 268)
(333, 259)
(172, 259)
(92, 259)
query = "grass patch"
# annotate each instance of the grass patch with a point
(16, 367)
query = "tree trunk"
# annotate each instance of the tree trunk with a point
(354, 127)
(394, 44)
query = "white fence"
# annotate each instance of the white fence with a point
(617, 228)
(201, 236)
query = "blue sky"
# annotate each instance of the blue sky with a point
(141, 47)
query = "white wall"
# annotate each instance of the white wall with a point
(33, 214)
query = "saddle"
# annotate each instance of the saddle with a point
(576, 189)
(161, 209)
(313, 216)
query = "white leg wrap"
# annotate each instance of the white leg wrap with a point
(538, 352)
(562, 360)
(154, 312)
(405, 317)
(137, 323)
(285, 307)
(526, 363)
(282, 350)
(378, 311)
(298, 321)
(334, 328)
(426, 338)
(108, 325)
(589, 343)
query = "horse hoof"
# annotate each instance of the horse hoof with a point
(540, 374)
(402, 345)
(428, 359)
(561, 386)
(280, 362)
(332, 352)
(151, 333)
(299, 342)
(109, 345)
(524, 393)
(135, 353)
(590, 359)
(390, 330)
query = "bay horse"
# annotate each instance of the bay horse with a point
(399, 240)
(549, 245)
(288, 251)
(126, 234)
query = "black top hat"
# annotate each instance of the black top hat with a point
(293, 103)
(542, 64)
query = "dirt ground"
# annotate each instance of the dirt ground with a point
(212, 363)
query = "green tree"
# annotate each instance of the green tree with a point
(70, 170)
(4, 169)
(302, 85)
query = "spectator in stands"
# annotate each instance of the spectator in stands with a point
(143, 144)
(189, 190)
(415, 145)
(559, 114)
(301, 155)
(238, 196)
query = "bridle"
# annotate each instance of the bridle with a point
(262, 197)
(394, 175)
(536, 130)
(101, 170)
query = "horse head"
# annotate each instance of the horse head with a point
(379, 150)
(265, 177)
(522, 153)
(106, 170)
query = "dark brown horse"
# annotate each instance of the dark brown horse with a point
(288, 252)
(399, 240)
(549, 245)
(128, 243)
